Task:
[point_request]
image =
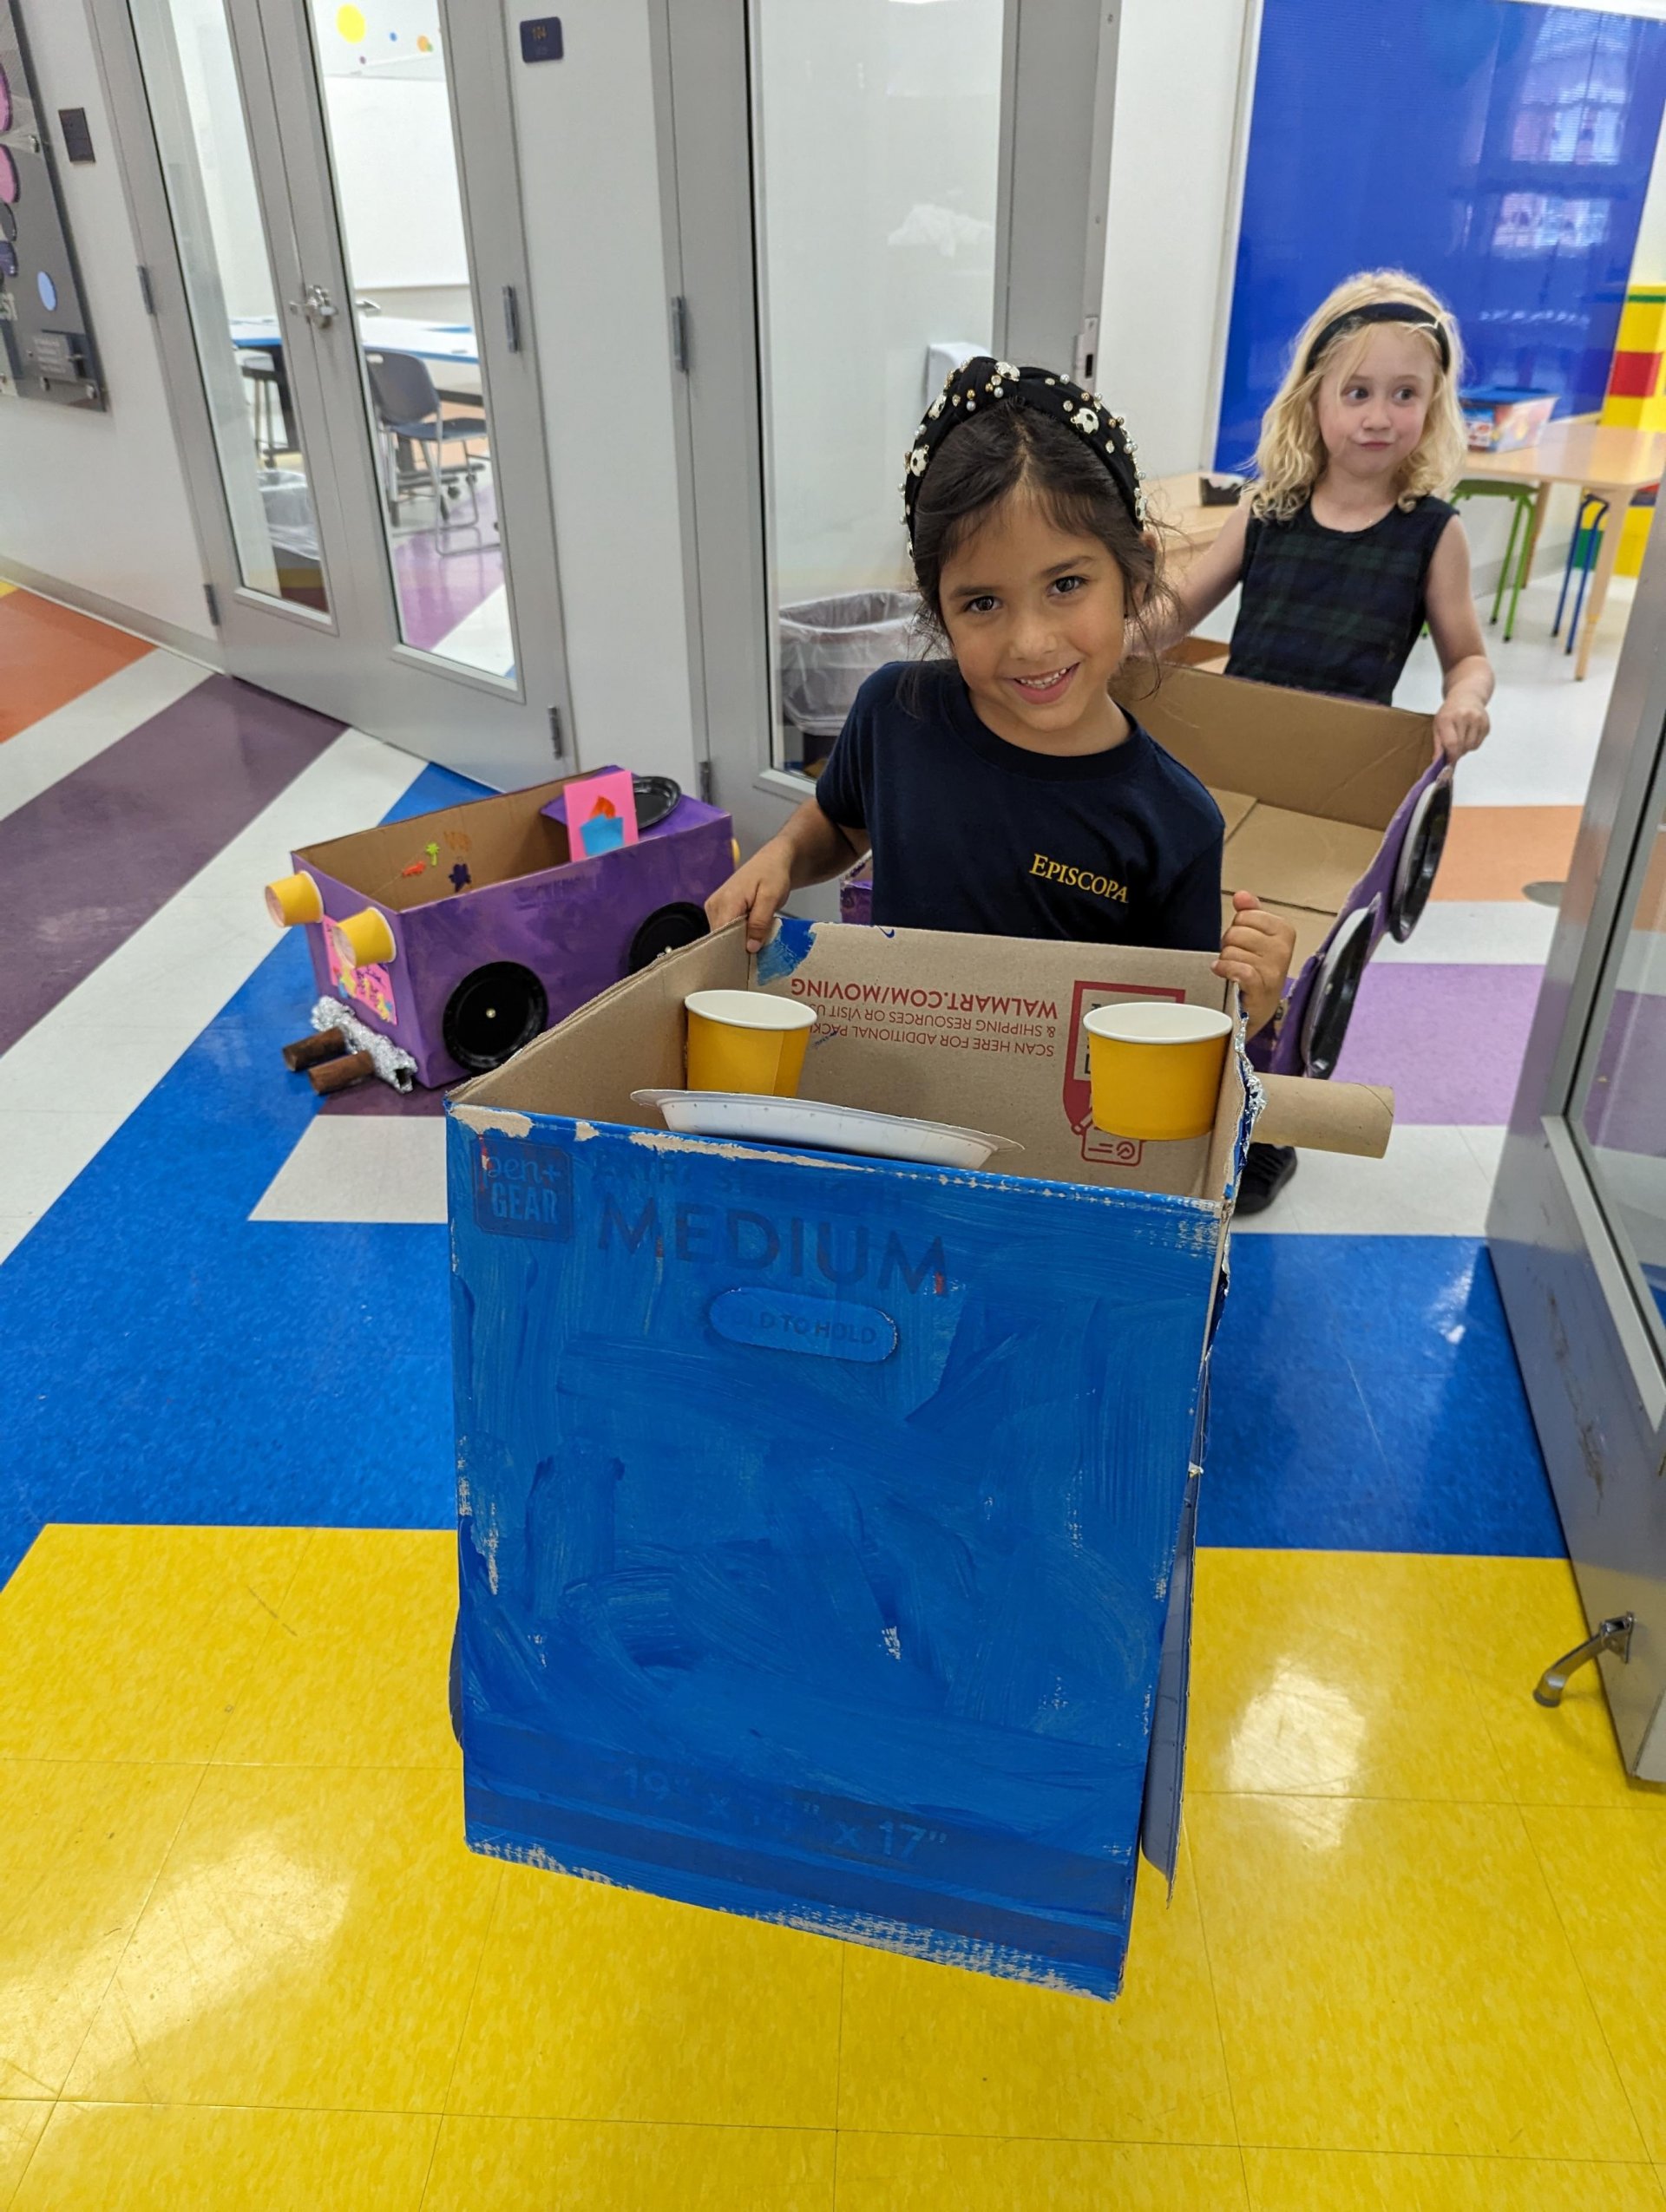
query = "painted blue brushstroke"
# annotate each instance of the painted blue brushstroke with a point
(854, 1643)
(787, 950)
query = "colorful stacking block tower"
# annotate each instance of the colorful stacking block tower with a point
(1637, 397)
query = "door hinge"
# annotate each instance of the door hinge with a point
(511, 319)
(212, 597)
(145, 290)
(705, 780)
(557, 734)
(680, 335)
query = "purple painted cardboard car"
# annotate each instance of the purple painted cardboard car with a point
(462, 934)
(1335, 814)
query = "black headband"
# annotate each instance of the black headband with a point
(1380, 311)
(983, 382)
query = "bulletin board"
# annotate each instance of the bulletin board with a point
(1501, 152)
(46, 340)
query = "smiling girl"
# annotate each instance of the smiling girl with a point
(1343, 547)
(1002, 789)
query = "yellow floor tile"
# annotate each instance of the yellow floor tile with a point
(1607, 1873)
(1326, 2180)
(1335, 1673)
(131, 1643)
(21, 2126)
(181, 2158)
(932, 2050)
(80, 1846)
(311, 1940)
(1392, 1977)
(911, 2173)
(353, 1670)
(1522, 1613)
(601, 2004)
(606, 2166)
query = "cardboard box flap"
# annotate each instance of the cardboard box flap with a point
(1304, 751)
(983, 1032)
(1304, 860)
(1236, 807)
(496, 839)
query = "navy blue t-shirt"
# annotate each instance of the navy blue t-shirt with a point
(969, 833)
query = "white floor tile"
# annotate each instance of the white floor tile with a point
(161, 988)
(66, 739)
(1514, 933)
(361, 1167)
(1547, 724)
(1432, 1182)
(482, 640)
(14, 1228)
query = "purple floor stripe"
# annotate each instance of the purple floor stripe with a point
(1449, 1039)
(89, 859)
(378, 1099)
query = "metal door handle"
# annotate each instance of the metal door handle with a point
(320, 308)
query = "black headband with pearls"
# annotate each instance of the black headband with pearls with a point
(984, 383)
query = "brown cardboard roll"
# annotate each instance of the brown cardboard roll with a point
(343, 1073)
(1326, 1116)
(307, 1052)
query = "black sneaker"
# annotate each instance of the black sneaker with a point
(1267, 1170)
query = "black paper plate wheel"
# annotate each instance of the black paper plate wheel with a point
(492, 1013)
(667, 930)
(1329, 1009)
(1420, 857)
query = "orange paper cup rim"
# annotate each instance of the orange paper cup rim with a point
(1163, 1023)
(750, 1009)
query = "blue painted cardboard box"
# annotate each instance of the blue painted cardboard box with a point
(825, 1523)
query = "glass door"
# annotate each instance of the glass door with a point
(876, 169)
(864, 193)
(1619, 1112)
(356, 322)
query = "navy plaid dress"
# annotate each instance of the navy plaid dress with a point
(1335, 611)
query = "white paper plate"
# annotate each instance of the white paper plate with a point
(759, 1119)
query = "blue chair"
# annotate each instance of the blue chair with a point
(1582, 553)
(408, 411)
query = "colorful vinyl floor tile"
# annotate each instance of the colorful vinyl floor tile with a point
(245, 1961)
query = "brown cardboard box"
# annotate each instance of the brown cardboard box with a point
(1307, 783)
(984, 1032)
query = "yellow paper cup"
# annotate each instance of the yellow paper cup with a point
(1155, 1067)
(746, 1040)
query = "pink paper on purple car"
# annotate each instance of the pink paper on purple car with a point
(599, 813)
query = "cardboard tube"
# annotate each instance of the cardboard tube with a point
(341, 1075)
(1317, 1117)
(307, 1052)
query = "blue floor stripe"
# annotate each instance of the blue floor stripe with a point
(1365, 1397)
(169, 1360)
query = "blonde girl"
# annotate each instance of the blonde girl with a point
(1344, 547)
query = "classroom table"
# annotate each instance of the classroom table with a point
(1176, 502)
(1599, 458)
(450, 349)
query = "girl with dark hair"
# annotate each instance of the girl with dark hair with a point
(1001, 789)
